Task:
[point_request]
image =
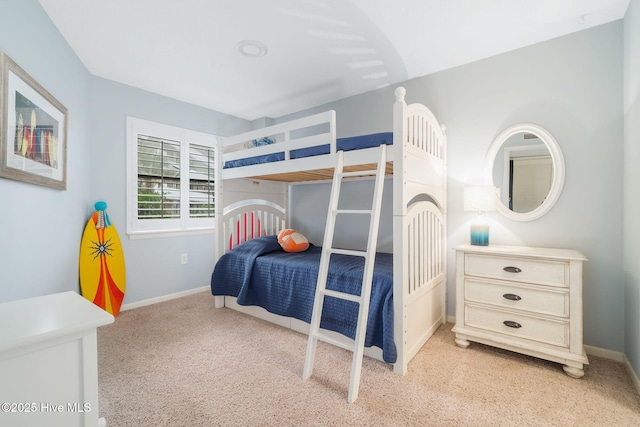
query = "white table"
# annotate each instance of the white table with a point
(49, 361)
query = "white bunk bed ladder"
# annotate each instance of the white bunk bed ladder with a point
(315, 332)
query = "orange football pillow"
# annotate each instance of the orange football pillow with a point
(292, 240)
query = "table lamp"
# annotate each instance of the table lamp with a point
(480, 200)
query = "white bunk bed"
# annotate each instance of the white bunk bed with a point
(417, 161)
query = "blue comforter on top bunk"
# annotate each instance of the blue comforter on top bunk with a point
(346, 144)
(259, 272)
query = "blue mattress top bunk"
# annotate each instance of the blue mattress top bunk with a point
(259, 272)
(346, 144)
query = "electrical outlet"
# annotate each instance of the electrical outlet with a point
(184, 259)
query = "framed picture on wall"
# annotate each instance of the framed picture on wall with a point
(33, 129)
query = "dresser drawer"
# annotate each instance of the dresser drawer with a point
(526, 327)
(528, 270)
(517, 297)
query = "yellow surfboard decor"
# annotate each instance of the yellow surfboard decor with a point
(102, 269)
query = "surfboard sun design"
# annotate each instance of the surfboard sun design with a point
(101, 249)
(102, 270)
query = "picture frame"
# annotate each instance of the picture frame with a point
(33, 129)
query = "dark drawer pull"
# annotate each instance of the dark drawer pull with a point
(512, 269)
(512, 324)
(512, 297)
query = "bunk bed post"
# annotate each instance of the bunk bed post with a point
(287, 205)
(332, 132)
(219, 206)
(399, 213)
(443, 208)
(399, 133)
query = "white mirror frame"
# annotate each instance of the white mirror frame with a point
(558, 170)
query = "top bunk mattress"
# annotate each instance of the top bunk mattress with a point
(345, 144)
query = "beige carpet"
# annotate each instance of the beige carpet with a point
(184, 363)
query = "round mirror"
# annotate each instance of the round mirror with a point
(525, 163)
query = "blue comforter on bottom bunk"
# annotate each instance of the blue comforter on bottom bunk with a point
(259, 272)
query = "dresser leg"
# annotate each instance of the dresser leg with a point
(462, 342)
(574, 371)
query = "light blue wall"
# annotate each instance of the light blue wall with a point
(632, 184)
(40, 228)
(572, 86)
(308, 207)
(153, 265)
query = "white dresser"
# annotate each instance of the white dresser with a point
(527, 300)
(48, 361)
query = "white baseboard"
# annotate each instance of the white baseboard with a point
(632, 373)
(603, 352)
(163, 298)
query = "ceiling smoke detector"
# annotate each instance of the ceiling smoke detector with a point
(252, 49)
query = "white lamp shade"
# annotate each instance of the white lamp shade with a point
(480, 199)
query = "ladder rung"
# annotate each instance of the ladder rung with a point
(335, 339)
(342, 295)
(347, 252)
(359, 173)
(353, 211)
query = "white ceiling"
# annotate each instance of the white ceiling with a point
(319, 51)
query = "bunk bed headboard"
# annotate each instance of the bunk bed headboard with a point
(421, 128)
(418, 139)
(248, 219)
(419, 277)
(425, 263)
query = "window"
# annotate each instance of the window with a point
(170, 179)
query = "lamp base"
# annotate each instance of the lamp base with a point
(480, 234)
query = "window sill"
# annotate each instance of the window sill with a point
(139, 235)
